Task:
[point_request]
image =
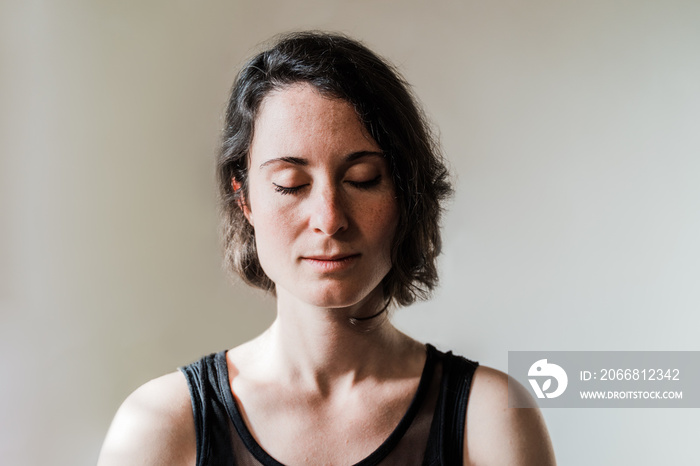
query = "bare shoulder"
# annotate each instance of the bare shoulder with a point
(153, 426)
(496, 434)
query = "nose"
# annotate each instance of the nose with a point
(328, 215)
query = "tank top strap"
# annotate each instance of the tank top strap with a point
(446, 446)
(211, 420)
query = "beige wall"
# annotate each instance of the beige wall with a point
(571, 128)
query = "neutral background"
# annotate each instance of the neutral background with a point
(572, 130)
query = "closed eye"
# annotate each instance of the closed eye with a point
(366, 184)
(288, 190)
(357, 184)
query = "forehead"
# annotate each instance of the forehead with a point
(298, 120)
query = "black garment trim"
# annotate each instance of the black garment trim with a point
(458, 373)
(209, 414)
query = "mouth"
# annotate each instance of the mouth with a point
(332, 263)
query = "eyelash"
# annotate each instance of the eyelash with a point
(356, 184)
(285, 190)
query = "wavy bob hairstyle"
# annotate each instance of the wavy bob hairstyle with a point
(340, 67)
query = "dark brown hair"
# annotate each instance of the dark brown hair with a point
(340, 67)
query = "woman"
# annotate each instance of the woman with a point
(332, 189)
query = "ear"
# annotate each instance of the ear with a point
(242, 203)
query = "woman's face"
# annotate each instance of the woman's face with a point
(320, 198)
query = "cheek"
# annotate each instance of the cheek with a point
(273, 225)
(382, 224)
(266, 211)
(271, 245)
(277, 229)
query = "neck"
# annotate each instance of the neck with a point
(318, 347)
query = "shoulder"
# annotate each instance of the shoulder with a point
(497, 434)
(154, 425)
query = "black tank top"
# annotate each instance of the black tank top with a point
(430, 433)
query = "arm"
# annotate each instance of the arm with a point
(499, 435)
(154, 426)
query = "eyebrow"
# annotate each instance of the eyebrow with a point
(302, 162)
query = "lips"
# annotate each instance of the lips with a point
(331, 263)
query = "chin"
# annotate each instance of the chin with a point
(334, 296)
